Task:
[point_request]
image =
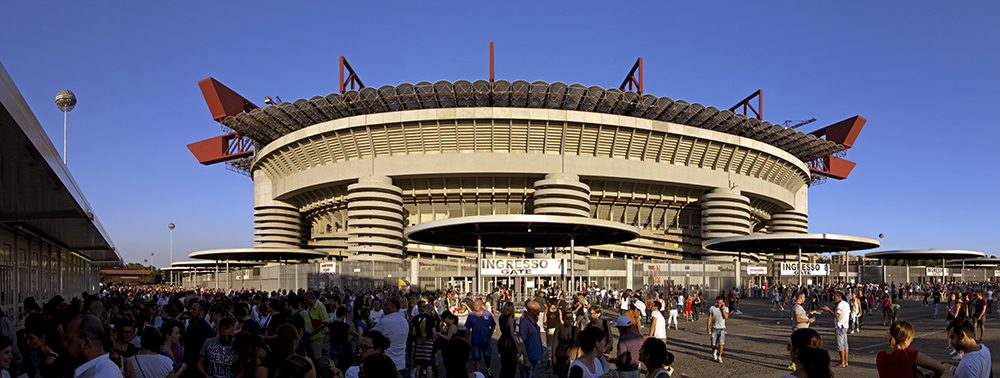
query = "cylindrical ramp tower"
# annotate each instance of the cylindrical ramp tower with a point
(562, 194)
(277, 225)
(789, 222)
(724, 212)
(375, 219)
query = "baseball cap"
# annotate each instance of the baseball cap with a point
(623, 321)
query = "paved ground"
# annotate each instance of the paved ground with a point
(756, 340)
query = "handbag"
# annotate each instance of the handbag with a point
(916, 372)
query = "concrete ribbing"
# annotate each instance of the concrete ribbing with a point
(789, 222)
(374, 219)
(724, 212)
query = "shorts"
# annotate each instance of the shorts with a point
(314, 349)
(482, 351)
(980, 321)
(718, 336)
(840, 334)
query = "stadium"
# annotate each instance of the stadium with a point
(346, 173)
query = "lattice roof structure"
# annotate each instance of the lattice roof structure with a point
(269, 123)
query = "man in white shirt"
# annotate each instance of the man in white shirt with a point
(976, 360)
(84, 342)
(842, 316)
(394, 326)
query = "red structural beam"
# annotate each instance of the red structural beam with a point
(222, 101)
(832, 167)
(844, 132)
(491, 62)
(352, 77)
(630, 79)
(759, 111)
(221, 148)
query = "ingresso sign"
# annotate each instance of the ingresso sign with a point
(522, 267)
(789, 269)
(937, 272)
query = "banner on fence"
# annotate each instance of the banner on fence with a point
(791, 269)
(756, 270)
(328, 268)
(522, 267)
(937, 272)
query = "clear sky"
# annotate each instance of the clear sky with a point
(924, 74)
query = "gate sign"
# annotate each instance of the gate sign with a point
(996, 273)
(328, 268)
(937, 272)
(522, 267)
(789, 269)
(756, 270)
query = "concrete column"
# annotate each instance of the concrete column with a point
(789, 222)
(724, 212)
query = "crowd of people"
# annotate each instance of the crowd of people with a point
(161, 331)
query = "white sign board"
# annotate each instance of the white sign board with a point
(996, 273)
(328, 268)
(756, 270)
(937, 272)
(522, 267)
(529, 284)
(790, 269)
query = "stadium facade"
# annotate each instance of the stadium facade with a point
(347, 172)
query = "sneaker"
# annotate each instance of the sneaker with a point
(489, 373)
(720, 360)
(953, 352)
(715, 355)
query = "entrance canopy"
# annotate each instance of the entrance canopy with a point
(981, 262)
(925, 254)
(196, 265)
(791, 243)
(528, 230)
(257, 254)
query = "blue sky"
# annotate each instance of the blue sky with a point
(923, 73)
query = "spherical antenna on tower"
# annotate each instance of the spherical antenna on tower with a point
(65, 100)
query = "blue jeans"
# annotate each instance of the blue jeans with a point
(936, 306)
(530, 372)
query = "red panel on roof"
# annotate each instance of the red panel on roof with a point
(844, 132)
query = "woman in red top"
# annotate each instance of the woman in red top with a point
(900, 361)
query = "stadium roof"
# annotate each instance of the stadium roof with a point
(925, 254)
(268, 123)
(37, 193)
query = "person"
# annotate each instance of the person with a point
(657, 359)
(449, 329)
(480, 326)
(341, 351)
(124, 333)
(149, 363)
(563, 342)
(252, 351)
(658, 328)
(978, 315)
(801, 317)
(394, 326)
(530, 337)
(456, 355)
(629, 342)
(197, 331)
(976, 360)
(424, 328)
(35, 340)
(893, 312)
(217, 358)
(316, 321)
(900, 360)
(553, 319)
(8, 331)
(170, 329)
(717, 316)
(84, 342)
(841, 319)
(672, 313)
(808, 356)
(371, 342)
(298, 366)
(591, 363)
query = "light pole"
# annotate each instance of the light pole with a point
(882, 260)
(65, 101)
(171, 227)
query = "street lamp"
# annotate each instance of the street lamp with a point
(171, 227)
(65, 101)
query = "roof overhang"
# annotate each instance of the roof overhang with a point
(924, 254)
(790, 243)
(258, 254)
(980, 262)
(526, 230)
(38, 195)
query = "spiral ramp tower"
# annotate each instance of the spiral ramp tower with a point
(375, 219)
(562, 194)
